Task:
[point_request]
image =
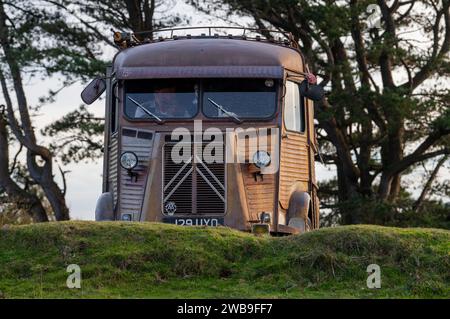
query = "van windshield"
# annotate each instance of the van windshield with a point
(161, 99)
(239, 98)
(233, 99)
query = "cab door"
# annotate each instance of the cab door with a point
(294, 149)
(110, 158)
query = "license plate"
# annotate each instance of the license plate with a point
(197, 221)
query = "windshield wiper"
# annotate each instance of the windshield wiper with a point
(145, 110)
(220, 107)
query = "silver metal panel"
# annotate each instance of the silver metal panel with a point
(113, 167)
(131, 190)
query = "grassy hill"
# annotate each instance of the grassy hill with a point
(145, 260)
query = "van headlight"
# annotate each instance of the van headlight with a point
(128, 160)
(261, 159)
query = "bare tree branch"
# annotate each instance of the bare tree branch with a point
(418, 204)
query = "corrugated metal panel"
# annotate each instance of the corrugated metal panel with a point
(313, 168)
(113, 167)
(131, 190)
(260, 192)
(294, 164)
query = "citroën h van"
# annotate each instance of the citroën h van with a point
(209, 130)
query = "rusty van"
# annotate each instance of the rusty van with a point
(209, 130)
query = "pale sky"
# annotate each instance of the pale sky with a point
(85, 181)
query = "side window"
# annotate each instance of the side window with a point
(294, 108)
(114, 105)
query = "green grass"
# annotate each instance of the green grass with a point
(149, 260)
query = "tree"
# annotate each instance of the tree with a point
(36, 40)
(384, 95)
(42, 174)
(98, 17)
(68, 39)
(21, 198)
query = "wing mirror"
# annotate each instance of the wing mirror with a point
(93, 90)
(310, 89)
(313, 92)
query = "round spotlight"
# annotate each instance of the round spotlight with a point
(265, 217)
(261, 159)
(128, 160)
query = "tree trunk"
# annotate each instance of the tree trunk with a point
(21, 198)
(43, 175)
(392, 153)
(396, 185)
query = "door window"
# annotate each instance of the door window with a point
(294, 108)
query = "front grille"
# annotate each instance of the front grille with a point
(194, 186)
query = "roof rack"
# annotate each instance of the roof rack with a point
(126, 39)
